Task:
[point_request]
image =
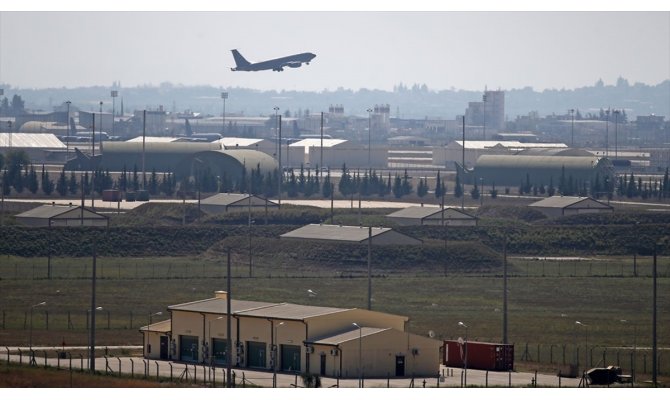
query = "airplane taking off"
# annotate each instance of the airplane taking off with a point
(278, 64)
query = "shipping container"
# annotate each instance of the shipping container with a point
(111, 195)
(481, 355)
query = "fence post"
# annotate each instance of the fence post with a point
(119, 358)
(146, 369)
(559, 379)
(486, 384)
(509, 378)
(20, 357)
(132, 368)
(45, 358)
(157, 375)
(535, 379)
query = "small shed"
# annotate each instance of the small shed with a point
(56, 215)
(351, 234)
(225, 202)
(416, 215)
(558, 206)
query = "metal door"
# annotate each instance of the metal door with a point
(399, 365)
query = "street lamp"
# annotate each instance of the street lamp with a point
(616, 133)
(572, 128)
(30, 339)
(114, 94)
(465, 356)
(360, 353)
(369, 110)
(149, 327)
(100, 131)
(224, 96)
(607, 132)
(275, 356)
(586, 342)
(91, 337)
(277, 129)
(67, 137)
(632, 364)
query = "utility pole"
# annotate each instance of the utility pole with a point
(369, 268)
(229, 344)
(93, 281)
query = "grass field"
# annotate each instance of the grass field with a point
(545, 299)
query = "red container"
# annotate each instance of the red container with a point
(111, 195)
(486, 356)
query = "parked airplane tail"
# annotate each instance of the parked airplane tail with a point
(189, 131)
(240, 62)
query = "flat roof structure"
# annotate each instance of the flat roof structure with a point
(557, 206)
(350, 234)
(223, 202)
(31, 140)
(316, 142)
(416, 215)
(354, 334)
(56, 215)
(569, 201)
(232, 142)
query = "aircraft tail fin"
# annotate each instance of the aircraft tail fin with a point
(189, 131)
(240, 62)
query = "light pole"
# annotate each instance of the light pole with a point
(148, 329)
(572, 128)
(633, 360)
(277, 129)
(360, 353)
(616, 133)
(484, 101)
(465, 356)
(114, 94)
(224, 96)
(67, 137)
(586, 342)
(607, 132)
(30, 338)
(275, 355)
(369, 110)
(91, 337)
(100, 131)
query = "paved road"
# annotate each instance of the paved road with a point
(451, 377)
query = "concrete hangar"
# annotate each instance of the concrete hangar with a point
(308, 339)
(182, 159)
(540, 166)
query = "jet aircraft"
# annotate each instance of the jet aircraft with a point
(277, 64)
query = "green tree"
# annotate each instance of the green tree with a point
(47, 184)
(439, 186)
(406, 185)
(493, 192)
(326, 187)
(61, 184)
(397, 187)
(458, 189)
(422, 188)
(474, 193)
(73, 185)
(32, 184)
(153, 182)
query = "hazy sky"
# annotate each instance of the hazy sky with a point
(464, 50)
